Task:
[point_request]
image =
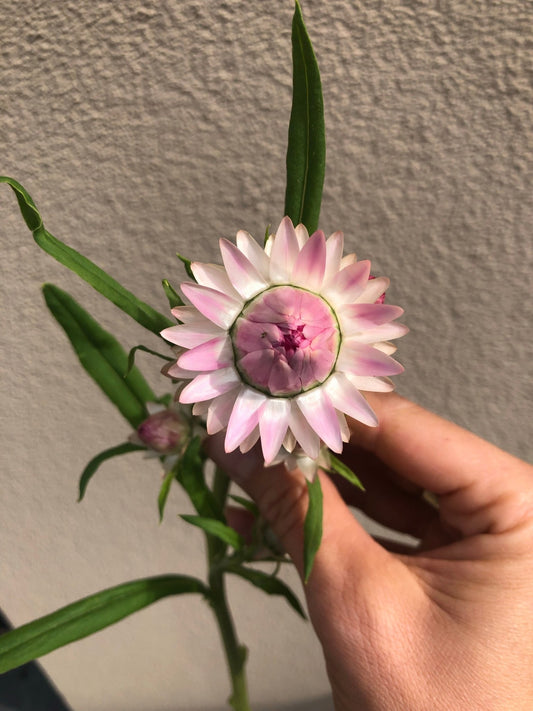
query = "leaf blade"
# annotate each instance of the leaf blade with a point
(95, 276)
(339, 467)
(101, 356)
(216, 528)
(86, 616)
(269, 584)
(312, 525)
(174, 299)
(190, 474)
(99, 459)
(306, 150)
(164, 491)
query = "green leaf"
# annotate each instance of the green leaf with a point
(339, 467)
(306, 151)
(245, 503)
(87, 616)
(87, 270)
(190, 474)
(133, 351)
(174, 299)
(93, 465)
(163, 492)
(270, 585)
(187, 265)
(216, 528)
(101, 355)
(312, 525)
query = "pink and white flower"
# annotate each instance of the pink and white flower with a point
(280, 341)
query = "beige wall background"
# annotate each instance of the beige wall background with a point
(142, 129)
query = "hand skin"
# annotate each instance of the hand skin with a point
(447, 626)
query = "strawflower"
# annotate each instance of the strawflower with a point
(281, 340)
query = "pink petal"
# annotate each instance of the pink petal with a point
(360, 316)
(360, 359)
(302, 235)
(306, 437)
(212, 355)
(371, 383)
(311, 263)
(247, 444)
(345, 286)
(345, 397)
(199, 409)
(219, 411)
(321, 415)
(174, 371)
(214, 305)
(284, 252)
(343, 424)
(282, 379)
(190, 336)
(210, 385)
(187, 314)
(273, 426)
(214, 276)
(334, 249)
(347, 260)
(241, 272)
(373, 290)
(385, 332)
(244, 417)
(386, 347)
(289, 443)
(253, 252)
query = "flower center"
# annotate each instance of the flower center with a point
(286, 341)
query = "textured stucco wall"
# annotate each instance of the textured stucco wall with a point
(145, 128)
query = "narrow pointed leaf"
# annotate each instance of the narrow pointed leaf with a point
(306, 151)
(87, 616)
(190, 474)
(216, 528)
(164, 491)
(312, 525)
(187, 264)
(87, 270)
(269, 584)
(245, 503)
(93, 465)
(101, 355)
(339, 467)
(133, 351)
(174, 299)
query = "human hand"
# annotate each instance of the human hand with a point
(447, 626)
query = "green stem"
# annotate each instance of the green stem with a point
(235, 652)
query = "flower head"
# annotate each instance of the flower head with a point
(280, 340)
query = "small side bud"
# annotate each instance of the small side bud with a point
(166, 432)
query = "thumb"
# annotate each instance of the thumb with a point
(282, 499)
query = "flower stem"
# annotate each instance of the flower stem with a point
(235, 652)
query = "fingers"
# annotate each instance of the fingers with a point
(385, 499)
(282, 500)
(481, 488)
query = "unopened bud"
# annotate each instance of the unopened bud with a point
(166, 431)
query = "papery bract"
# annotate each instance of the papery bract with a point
(280, 341)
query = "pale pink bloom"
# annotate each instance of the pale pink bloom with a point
(280, 341)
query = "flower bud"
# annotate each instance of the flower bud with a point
(165, 432)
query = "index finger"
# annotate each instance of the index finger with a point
(471, 474)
